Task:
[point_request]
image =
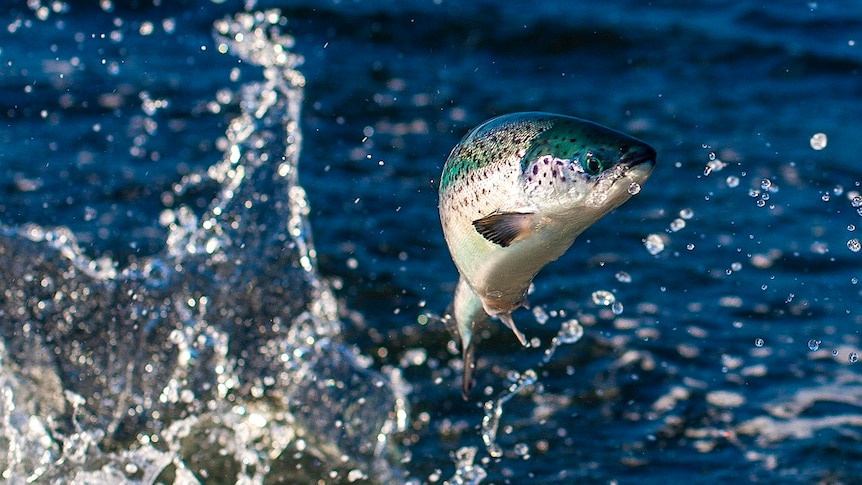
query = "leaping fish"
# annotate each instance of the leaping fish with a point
(514, 194)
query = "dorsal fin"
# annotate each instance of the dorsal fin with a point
(504, 228)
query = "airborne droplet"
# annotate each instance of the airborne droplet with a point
(634, 188)
(540, 315)
(623, 277)
(602, 297)
(570, 332)
(818, 141)
(758, 342)
(813, 344)
(654, 244)
(676, 225)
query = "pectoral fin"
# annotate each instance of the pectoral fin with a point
(504, 228)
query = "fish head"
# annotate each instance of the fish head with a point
(579, 170)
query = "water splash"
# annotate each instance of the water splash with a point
(466, 471)
(570, 332)
(494, 410)
(222, 355)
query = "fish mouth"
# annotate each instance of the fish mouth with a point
(639, 155)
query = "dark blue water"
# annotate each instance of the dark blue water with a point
(733, 356)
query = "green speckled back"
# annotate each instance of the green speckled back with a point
(492, 141)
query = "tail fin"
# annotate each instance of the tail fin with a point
(469, 366)
(467, 312)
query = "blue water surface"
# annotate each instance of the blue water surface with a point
(734, 355)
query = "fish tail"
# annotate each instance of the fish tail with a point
(467, 312)
(469, 365)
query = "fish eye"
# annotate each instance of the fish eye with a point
(592, 164)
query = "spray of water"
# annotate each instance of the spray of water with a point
(220, 358)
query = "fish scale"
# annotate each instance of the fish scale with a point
(514, 194)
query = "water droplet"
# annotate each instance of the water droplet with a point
(813, 344)
(761, 203)
(856, 202)
(851, 227)
(732, 181)
(711, 156)
(854, 245)
(714, 165)
(854, 280)
(677, 224)
(540, 315)
(835, 352)
(765, 184)
(758, 342)
(522, 449)
(570, 332)
(602, 297)
(689, 246)
(355, 475)
(654, 244)
(736, 266)
(686, 213)
(838, 190)
(617, 308)
(853, 358)
(634, 188)
(825, 197)
(623, 277)
(818, 141)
